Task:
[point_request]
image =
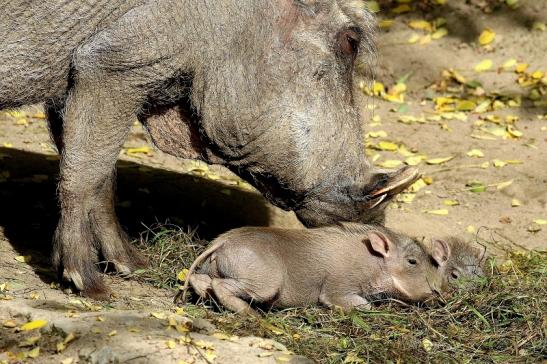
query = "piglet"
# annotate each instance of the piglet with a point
(343, 265)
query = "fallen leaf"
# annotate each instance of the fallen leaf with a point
(475, 153)
(10, 324)
(427, 345)
(484, 65)
(23, 258)
(33, 325)
(440, 212)
(540, 221)
(390, 163)
(112, 333)
(414, 160)
(34, 353)
(476, 187)
(502, 185)
(487, 36)
(498, 163)
(159, 315)
(181, 276)
(441, 32)
(435, 161)
(171, 344)
(68, 360)
(451, 202)
(471, 229)
(515, 202)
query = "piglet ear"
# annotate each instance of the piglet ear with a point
(379, 243)
(440, 251)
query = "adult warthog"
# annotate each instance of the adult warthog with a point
(265, 87)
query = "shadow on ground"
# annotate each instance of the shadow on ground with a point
(146, 196)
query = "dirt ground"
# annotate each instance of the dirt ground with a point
(492, 190)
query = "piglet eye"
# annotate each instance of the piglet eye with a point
(455, 275)
(412, 261)
(348, 42)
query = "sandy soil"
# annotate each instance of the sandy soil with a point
(154, 187)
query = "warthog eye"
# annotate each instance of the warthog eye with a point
(454, 275)
(412, 261)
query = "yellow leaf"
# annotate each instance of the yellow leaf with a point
(378, 88)
(386, 23)
(159, 315)
(515, 202)
(540, 221)
(425, 39)
(521, 67)
(390, 163)
(34, 353)
(438, 160)
(171, 344)
(483, 107)
(539, 26)
(514, 132)
(33, 325)
(509, 64)
(140, 150)
(475, 153)
(387, 146)
(406, 197)
(414, 160)
(440, 212)
(39, 115)
(112, 333)
(376, 134)
(420, 24)
(10, 324)
(441, 32)
(418, 185)
(538, 75)
(8, 145)
(451, 202)
(181, 276)
(414, 38)
(427, 345)
(68, 360)
(23, 258)
(485, 165)
(484, 65)
(513, 161)
(502, 185)
(471, 229)
(403, 8)
(487, 36)
(465, 105)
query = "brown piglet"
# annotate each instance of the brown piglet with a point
(342, 265)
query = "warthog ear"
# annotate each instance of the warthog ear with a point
(440, 251)
(387, 184)
(378, 243)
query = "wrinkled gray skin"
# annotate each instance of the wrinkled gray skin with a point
(334, 266)
(464, 261)
(265, 87)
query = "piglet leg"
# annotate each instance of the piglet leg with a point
(347, 302)
(229, 293)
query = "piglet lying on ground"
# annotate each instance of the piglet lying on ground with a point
(335, 266)
(464, 262)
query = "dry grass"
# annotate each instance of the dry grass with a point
(502, 319)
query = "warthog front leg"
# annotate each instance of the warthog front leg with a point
(97, 119)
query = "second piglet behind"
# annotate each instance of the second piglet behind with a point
(341, 266)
